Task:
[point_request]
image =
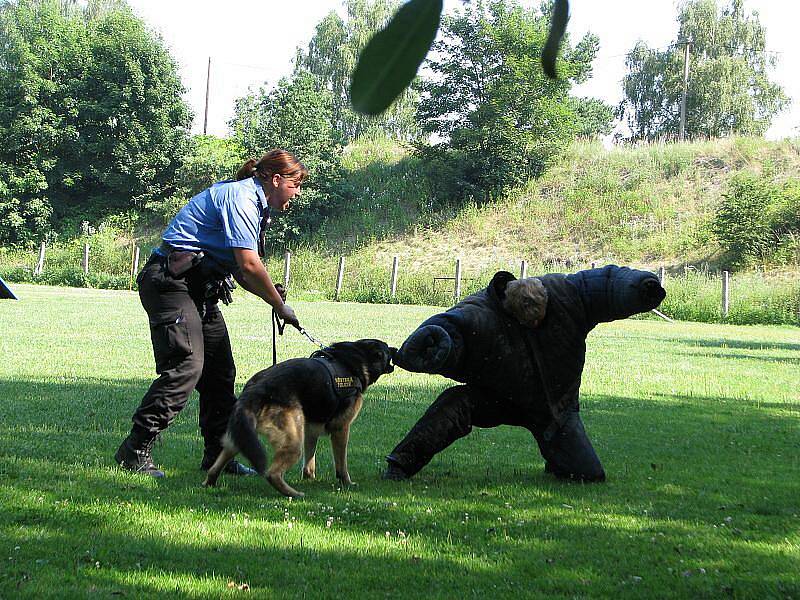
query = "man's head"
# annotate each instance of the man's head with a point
(526, 299)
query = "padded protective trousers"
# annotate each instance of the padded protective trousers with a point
(568, 452)
(191, 351)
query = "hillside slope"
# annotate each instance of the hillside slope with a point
(643, 205)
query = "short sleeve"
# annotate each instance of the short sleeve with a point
(239, 217)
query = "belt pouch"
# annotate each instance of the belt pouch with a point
(180, 261)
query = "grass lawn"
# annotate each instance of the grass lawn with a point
(698, 427)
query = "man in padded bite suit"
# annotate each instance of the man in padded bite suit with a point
(519, 347)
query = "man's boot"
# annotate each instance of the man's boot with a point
(234, 467)
(394, 472)
(134, 453)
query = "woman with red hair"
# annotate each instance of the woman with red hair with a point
(216, 237)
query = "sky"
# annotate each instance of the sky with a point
(252, 43)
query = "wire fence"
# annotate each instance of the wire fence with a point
(693, 294)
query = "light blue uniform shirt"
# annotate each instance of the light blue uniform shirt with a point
(226, 215)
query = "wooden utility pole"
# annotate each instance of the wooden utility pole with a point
(208, 87)
(682, 129)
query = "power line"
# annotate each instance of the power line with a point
(255, 67)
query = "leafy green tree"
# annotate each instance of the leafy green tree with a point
(499, 116)
(90, 109)
(729, 89)
(24, 211)
(389, 62)
(207, 160)
(210, 159)
(331, 57)
(295, 115)
(594, 117)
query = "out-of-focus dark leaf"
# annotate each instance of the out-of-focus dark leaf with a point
(558, 25)
(390, 60)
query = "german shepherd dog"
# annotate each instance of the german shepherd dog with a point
(296, 401)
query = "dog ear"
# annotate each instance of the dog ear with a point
(499, 283)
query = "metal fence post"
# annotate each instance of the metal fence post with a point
(287, 260)
(457, 291)
(393, 286)
(339, 278)
(40, 263)
(134, 266)
(726, 299)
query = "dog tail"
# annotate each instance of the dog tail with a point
(242, 432)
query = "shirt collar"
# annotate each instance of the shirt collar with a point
(262, 197)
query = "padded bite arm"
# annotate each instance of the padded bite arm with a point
(610, 293)
(428, 350)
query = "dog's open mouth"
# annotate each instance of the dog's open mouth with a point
(389, 366)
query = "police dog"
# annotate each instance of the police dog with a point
(296, 401)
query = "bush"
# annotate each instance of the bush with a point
(741, 223)
(758, 219)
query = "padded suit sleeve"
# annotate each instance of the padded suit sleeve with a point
(434, 347)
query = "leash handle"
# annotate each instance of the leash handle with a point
(278, 325)
(276, 322)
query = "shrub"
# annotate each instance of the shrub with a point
(740, 224)
(758, 219)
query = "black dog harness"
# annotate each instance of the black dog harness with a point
(345, 385)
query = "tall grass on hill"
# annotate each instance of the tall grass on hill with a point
(388, 195)
(645, 206)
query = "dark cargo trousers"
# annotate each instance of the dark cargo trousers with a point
(567, 451)
(191, 351)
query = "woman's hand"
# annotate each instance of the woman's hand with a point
(286, 313)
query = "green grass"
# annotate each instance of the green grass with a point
(697, 426)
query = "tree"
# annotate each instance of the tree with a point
(207, 160)
(210, 159)
(331, 57)
(499, 116)
(594, 117)
(297, 116)
(729, 89)
(91, 115)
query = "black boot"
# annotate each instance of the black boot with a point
(234, 467)
(394, 471)
(134, 453)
